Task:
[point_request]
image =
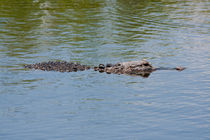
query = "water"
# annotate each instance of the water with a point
(89, 105)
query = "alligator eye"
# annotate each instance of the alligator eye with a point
(101, 66)
(146, 64)
(108, 65)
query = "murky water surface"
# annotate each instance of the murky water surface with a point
(168, 105)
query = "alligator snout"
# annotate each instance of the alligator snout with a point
(180, 68)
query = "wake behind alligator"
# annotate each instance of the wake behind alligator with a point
(137, 68)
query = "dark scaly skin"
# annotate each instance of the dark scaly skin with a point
(61, 66)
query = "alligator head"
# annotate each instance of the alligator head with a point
(142, 68)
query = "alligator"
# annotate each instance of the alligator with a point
(137, 68)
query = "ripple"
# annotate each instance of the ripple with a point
(91, 105)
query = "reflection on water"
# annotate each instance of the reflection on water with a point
(52, 105)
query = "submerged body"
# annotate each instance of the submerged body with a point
(142, 68)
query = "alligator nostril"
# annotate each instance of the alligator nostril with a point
(180, 68)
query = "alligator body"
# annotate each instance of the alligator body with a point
(62, 66)
(142, 68)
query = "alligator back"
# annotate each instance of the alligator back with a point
(61, 66)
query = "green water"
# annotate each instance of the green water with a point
(89, 105)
